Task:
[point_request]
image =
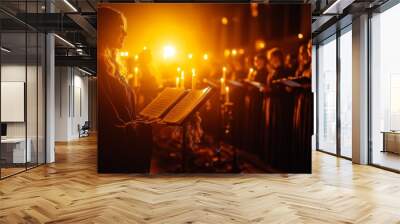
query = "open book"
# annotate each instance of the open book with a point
(189, 104)
(162, 103)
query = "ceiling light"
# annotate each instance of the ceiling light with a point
(64, 40)
(84, 71)
(337, 7)
(5, 50)
(70, 5)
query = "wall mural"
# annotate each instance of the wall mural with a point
(204, 88)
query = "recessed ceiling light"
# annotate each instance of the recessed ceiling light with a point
(70, 5)
(5, 50)
(65, 41)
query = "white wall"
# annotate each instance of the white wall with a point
(71, 102)
(33, 127)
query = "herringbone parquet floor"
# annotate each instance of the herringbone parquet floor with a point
(70, 191)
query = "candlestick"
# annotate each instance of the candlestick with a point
(136, 77)
(177, 82)
(182, 80)
(193, 78)
(227, 94)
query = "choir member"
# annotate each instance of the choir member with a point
(278, 113)
(117, 109)
(302, 117)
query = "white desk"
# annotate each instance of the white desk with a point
(19, 155)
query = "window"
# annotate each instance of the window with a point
(385, 89)
(346, 93)
(327, 96)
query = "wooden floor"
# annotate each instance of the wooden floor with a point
(70, 191)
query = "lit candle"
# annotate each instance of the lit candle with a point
(193, 78)
(136, 77)
(182, 80)
(177, 82)
(222, 86)
(227, 94)
(249, 76)
(224, 72)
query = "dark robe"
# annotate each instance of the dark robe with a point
(117, 133)
(278, 123)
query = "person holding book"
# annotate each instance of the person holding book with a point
(116, 100)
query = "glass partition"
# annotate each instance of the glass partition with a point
(346, 93)
(14, 153)
(327, 96)
(22, 92)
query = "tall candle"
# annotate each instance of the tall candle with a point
(224, 73)
(227, 94)
(177, 82)
(193, 78)
(249, 76)
(222, 86)
(136, 77)
(182, 80)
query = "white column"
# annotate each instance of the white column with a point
(360, 90)
(50, 98)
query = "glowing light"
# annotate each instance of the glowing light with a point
(190, 55)
(124, 54)
(182, 79)
(169, 51)
(234, 52)
(260, 44)
(205, 57)
(145, 48)
(222, 86)
(136, 77)
(177, 82)
(224, 21)
(250, 74)
(241, 51)
(227, 94)
(178, 69)
(300, 36)
(136, 57)
(70, 5)
(227, 52)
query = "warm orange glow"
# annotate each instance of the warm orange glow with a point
(177, 82)
(260, 44)
(227, 94)
(224, 21)
(136, 57)
(193, 78)
(227, 52)
(234, 52)
(178, 69)
(136, 77)
(241, 51)
(190, 55)
(169, 51)
(182, 79)
(205, 57)
(124, 54)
